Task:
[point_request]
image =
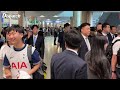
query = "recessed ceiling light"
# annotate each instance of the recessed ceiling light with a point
(42, 16)
(55, 16)
(48, 19)
(58, 19)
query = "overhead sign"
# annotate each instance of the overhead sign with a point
(13, 16)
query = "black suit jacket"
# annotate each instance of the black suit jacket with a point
(110, 37)
(67, 65)
(83, 47)
(61, 39)
(39, 45)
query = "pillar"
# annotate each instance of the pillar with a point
(76, 18)
(86, 16)
(71, 21)
(21, 19)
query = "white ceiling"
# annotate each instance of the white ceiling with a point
(47, 14)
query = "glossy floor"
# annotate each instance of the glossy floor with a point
(50, 50)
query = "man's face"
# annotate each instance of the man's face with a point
(99, 27)
(67, 28)
(107, 29)
(14, 37)
(35, 30)
(86, 30)
(114, 30)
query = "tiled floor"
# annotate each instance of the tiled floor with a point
(50, 49)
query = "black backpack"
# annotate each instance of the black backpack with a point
(39, 74)
(109, 52)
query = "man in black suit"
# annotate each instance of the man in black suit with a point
(105, 31)
(99, 28)
(85, 40)
(112, 34)
(67, 64)
(61, 41)
(55, 35)
(37, 41)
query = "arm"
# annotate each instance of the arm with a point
(8, 73)
(28, 39)
(36, 62)
(113, 66)
(7, 70)
(115, 49)
(35, 68)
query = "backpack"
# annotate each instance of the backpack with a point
(109, 52)
(39, 74)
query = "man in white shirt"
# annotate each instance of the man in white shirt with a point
(16, 59)
(114, 61)
(105, 30)
(6, 48)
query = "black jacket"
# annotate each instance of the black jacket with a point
(83, 47)
(67, 65)
(39, 45)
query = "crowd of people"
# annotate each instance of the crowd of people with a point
(87, 52)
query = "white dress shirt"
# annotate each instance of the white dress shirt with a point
(104, 34)
(113, 36)
(72, 50)
(87, 42)
(34, 37)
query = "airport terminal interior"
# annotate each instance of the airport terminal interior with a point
(48, 21)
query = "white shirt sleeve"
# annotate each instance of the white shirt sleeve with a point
(116, 47)
(1, 52)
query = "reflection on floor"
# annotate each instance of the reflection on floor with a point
(50, 50)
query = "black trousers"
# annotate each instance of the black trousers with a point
(55, 40)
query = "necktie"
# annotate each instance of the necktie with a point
(113, 36)
(88, 44)
(34, 40)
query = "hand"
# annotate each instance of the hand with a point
(8, 75)
(114, 76)
(29, 34)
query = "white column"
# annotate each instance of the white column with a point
(76, 18)
(20, 20)
(91, 18)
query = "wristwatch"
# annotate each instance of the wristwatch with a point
(113, 71)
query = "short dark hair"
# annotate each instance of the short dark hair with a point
(83, 25)
(99, 23)
(34, 26)
(112, 27)
(16, 28)
(72, 39)
(104, 25)
(66, 25)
